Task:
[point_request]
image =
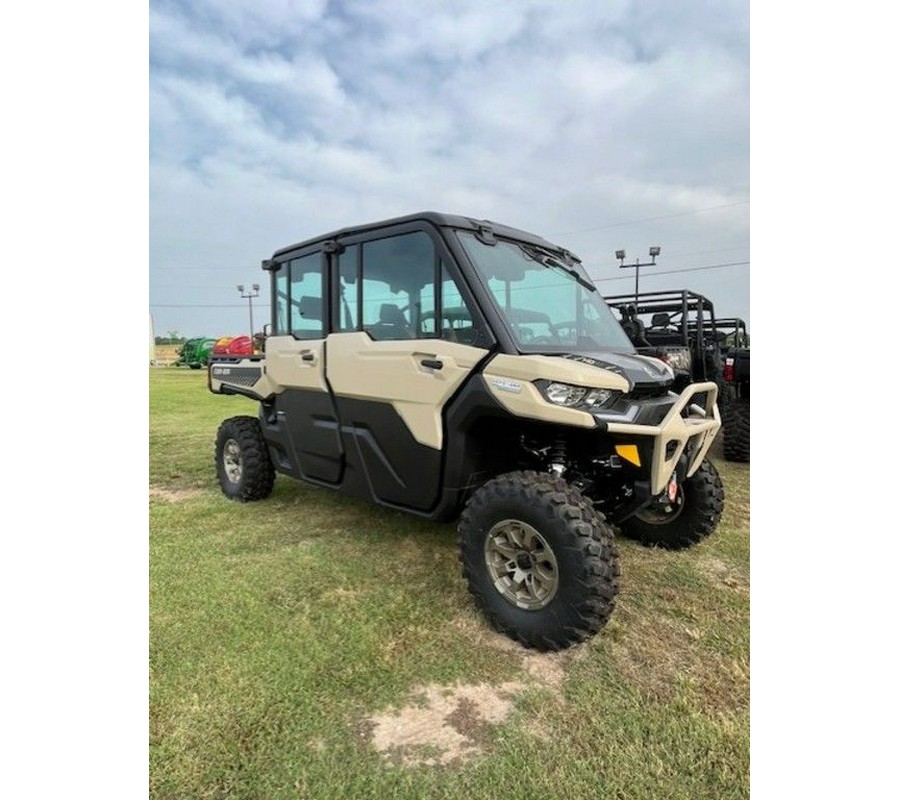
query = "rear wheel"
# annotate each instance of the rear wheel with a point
(736, 431)
(243, 466)
(539, 560)
(691, 516)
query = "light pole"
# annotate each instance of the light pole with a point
(620, 254)
(249, 295)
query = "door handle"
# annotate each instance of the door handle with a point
(432, 363)
(308, 357)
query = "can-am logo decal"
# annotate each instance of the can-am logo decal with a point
(239, 376)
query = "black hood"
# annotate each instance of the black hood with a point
(641, 372)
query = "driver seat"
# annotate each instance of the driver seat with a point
(391, 324)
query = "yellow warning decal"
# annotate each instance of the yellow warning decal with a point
(630, 453)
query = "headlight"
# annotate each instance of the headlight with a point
(678, 359)
(564, 394)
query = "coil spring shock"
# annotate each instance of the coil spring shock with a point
(556, 456)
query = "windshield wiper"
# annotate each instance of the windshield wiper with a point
(549, 261)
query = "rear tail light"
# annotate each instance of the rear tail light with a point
(728, 372)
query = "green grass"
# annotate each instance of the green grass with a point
(279, 629)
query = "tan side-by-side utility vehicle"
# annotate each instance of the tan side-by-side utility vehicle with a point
(454, 367)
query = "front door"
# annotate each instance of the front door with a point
(405, 341)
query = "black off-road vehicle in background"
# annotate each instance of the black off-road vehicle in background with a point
(678, 327)
(455, 367)
(734, 344)
(736, 423)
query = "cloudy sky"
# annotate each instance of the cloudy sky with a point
(597, 125)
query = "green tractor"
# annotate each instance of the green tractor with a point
(195, 353)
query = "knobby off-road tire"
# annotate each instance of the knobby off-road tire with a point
(736, 431)
(528, 522)
(693, 516)
(243, 466)
(726, 396)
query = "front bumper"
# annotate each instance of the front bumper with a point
(676, 433)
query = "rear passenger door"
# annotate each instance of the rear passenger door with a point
(295, 360)
(395, 360)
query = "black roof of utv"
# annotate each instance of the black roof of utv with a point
(436, 218)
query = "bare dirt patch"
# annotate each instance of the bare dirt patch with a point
(446, 725)
(172, 495)
(442, 724)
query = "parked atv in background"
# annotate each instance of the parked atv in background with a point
(195, 353)
(452, 367)
(734, 343)
(675, 326)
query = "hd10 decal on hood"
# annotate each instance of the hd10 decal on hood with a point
(634, 368)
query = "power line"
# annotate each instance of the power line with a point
(594, 279)
(217, 268)
(674, 271)
(651, 219)
(201, 305)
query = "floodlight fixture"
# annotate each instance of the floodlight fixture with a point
(249, 295)
(655, 250)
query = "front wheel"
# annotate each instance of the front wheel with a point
(540, 562)
(675, 524)
(243, 466)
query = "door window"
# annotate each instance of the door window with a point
(398, 286)
(307, 305)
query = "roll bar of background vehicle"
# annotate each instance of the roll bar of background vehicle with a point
(620, 254)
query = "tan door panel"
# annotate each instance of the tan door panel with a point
(295, 362)
(393, 372)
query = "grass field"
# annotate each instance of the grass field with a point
(315, 646)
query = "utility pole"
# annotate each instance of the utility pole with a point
(250, 294)
(620, 254)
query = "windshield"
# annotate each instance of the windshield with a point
(546, 308)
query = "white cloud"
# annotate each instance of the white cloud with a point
(288, 121)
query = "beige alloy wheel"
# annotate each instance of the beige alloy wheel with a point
(521, 564)
(231, 461)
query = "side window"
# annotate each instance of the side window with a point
(280, 325)
(348, 289)
(398, 287)
(307, 305)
